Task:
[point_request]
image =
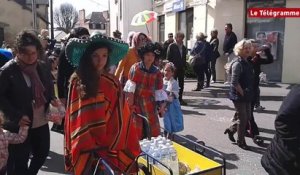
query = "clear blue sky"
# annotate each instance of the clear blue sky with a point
(88, 5)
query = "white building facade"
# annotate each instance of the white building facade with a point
(194, 16)
(122, 12)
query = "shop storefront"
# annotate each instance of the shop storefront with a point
(175, 17)
(282, 34)
(268, 31)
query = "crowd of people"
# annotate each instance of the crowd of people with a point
(104, 82)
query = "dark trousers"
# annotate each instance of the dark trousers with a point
(252, 126)
(213, 69)
(37, 143)
(207, 72)
(179, 75)
(243, 114)
(199, 71)
(256, 96)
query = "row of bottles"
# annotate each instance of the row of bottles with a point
(161, 149)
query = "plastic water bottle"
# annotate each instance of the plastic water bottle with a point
(156, 155)
(173, 160)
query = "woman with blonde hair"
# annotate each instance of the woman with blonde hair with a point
(241, 91)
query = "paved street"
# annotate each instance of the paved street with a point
(207, 115)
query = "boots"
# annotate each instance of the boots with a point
(207, 84)
(199, 86)
(230, 134)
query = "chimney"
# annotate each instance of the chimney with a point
(81, 17)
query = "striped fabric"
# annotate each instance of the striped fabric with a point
(144, 97)
(99, 122)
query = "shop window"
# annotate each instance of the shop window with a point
(189, 23)
(185, 23)
(182, 23)
(268, 31)
(161, 28)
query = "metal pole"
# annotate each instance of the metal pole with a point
(51, 19)
(33, 8)
(206, 16)
(108, 23)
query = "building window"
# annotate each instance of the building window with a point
(161, 28)
(185, 23)
(268, 31)
(98, 26)
(189, 23)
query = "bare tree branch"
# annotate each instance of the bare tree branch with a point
(65, 17)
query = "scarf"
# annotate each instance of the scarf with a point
(38, 88)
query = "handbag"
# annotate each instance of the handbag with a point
(198, 59)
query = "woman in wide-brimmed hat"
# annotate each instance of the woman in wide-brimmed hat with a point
(95, 117)
(144, 89)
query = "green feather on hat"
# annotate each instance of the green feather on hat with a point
(76, 48)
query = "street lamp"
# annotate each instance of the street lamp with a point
(33, 9)
(51, 19)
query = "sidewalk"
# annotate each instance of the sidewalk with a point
(219, 90)
(209, 113)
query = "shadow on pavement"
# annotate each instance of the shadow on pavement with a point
(269, 131)
(202, 101)
(230, 157)
(190, 112)
(271, 98)
(267, 112)
(258, 150)
(54, 163)
(206, 104)
(270, 84)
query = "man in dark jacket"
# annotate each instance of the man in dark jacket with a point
(283, 154)
(167, 43)
(65, 70)
(256, 62)
(229, 42)
(177, 54)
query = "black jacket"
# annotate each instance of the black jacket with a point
(174, 56)
(283, 154)
(16, 97)
(244, 77)
(214, 43)
(64, 72)
(257, 61)
(229, 42)
(165, 48)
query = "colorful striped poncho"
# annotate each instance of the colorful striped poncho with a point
(147, 82)
(99, 122)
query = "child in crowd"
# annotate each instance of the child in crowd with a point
(6, 138)
(173, 118)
